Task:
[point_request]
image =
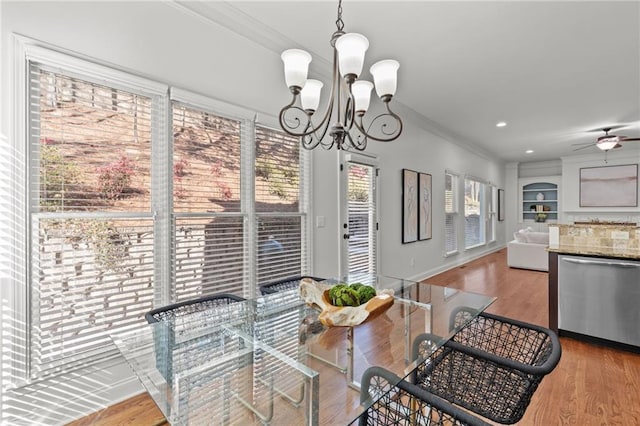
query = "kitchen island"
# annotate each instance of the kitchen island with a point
(594, 283)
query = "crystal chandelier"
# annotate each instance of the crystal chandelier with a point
(349, 97)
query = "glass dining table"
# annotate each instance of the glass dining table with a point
(269, 360)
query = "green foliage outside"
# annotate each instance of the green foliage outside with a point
(57, 177)
(279, 178)
(109, 245)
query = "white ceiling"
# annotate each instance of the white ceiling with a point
(554, 71)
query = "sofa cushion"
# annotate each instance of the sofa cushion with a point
(527, 235)
(521, 235)
(538, 237)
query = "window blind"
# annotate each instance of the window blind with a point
(474, 212)
(361, 204)
(280, 220)
(451, 213)
(116, 228)
(209, 254)
(92, 234)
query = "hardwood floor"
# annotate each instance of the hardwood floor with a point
(592, 385)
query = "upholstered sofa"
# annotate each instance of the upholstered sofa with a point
(528, 250)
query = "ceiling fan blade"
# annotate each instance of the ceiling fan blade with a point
(583, 147)
(617, 146)
(625, 139)
(583, 143)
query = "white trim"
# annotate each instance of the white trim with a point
(206, 103)
(51, 57)
(269, 121)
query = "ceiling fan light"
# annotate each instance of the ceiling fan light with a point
(607, 144)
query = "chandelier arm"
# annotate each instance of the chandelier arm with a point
(358, 145)
(309, 128)
(393, 135)
(312, 140)
(349, 112)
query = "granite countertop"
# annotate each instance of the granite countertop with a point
(622, 252)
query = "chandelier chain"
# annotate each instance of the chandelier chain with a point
(339, 21)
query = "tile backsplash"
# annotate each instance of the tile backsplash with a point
(613, 236)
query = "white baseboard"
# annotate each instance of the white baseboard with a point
(457, 260)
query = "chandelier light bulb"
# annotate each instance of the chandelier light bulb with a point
(385, 77)
(351, 48)
(310, 95)
(296, 67)
(361, 91)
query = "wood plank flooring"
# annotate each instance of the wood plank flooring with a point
(592, 385)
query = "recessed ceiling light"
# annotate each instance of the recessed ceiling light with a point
(501, 124)
(529, 151)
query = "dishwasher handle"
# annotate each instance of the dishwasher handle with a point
(601, 262)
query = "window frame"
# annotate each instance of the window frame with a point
(454, 213)
(482, 233)
(17, 316)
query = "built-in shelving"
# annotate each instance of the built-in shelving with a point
(539, 195)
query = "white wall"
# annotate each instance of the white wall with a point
(164, 42)
(571, 210)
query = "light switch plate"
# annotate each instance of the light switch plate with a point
(319, 221)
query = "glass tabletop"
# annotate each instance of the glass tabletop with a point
(270, 359)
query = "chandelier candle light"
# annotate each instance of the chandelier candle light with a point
(348, 60)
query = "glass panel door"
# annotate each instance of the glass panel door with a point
(360, 220)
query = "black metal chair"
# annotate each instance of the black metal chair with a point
(285, 284)
(492, 366)
(204, 340)
(202, 313)
(191, 306)
(398, 402)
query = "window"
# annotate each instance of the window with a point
(127, 213)
(474, 213)
(209, 233)
(451, 213)
(279, 203)
(362, 222)
(492, 212)
(91, 223)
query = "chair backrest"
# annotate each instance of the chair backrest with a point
(289, 283)
(191, 306)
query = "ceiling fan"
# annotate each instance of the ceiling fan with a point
(607, 141)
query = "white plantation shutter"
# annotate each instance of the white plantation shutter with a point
(280, 179)
(92, 230)
(209, 254)
(451, 212)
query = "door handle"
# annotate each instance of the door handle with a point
(600, 262)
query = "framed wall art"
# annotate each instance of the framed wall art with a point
(501, 204)
(409, 206)
(424, 201)
(609, 186)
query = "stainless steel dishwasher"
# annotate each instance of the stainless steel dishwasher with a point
(600, 297)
